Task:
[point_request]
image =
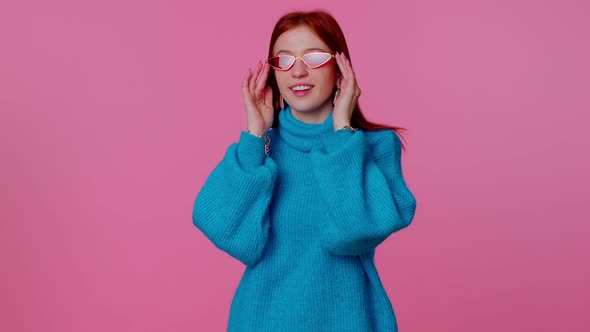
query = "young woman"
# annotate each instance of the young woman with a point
(308, 192)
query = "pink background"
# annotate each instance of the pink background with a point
(113, 113)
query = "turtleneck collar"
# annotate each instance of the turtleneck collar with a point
(301, 135)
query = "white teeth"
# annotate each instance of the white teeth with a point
(301, 87)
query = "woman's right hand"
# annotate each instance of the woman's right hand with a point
(258, 99)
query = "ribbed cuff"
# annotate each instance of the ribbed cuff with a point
(336, 138)
(250, 150)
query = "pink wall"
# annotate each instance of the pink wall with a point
(114, 112)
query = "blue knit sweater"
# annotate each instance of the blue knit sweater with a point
(305, 221)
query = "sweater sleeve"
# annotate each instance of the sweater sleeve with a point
(231, 208)
(364, 190)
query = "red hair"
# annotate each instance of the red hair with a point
(329, 31)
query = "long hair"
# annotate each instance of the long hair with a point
(329, 31)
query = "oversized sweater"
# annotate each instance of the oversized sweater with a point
(305, 220)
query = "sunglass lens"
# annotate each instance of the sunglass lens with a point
(282, 62)
(315, 60)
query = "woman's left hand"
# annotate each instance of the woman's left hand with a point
(348, 94)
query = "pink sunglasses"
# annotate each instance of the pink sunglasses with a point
(312, 60)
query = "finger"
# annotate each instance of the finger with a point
(252, 83)
(344, 69)
(247, 96)
(268, 96)
(259, 74)
(341, 77)
(339, 62)
(263, 77)
(246, 81)
(348, 72)
(349, 69)
(348, 66)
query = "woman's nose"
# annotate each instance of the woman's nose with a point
(299, 68)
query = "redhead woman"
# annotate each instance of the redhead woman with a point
(308, 192)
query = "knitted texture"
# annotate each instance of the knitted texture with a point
(305, 221)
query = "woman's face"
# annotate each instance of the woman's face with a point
(320, 81)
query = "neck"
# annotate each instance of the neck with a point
(302, 135)
(315, 116)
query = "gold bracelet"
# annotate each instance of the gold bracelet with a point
(347, 128)
(259, 136)
(266, 141)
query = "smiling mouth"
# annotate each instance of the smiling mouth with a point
(300, 90)
(302, 87)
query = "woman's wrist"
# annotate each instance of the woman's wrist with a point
(257, 133)
(340, 125)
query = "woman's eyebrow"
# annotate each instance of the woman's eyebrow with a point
(306, 50)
